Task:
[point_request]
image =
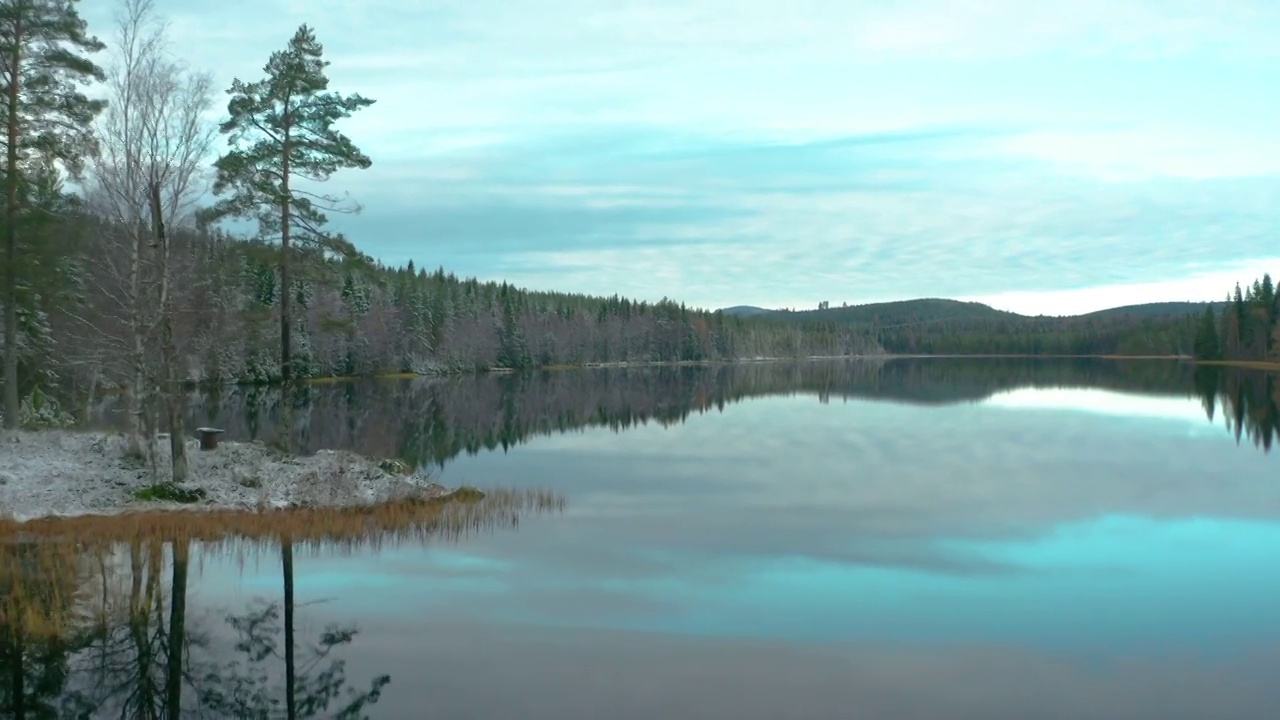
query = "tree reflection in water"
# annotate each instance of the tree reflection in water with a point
(94, 619)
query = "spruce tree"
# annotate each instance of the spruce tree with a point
(47, 118)
(281, 130)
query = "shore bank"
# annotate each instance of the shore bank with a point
(648, 364)
(1244, 364)
(73, 473)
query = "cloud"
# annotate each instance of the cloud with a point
(861, 218)
(780, 154)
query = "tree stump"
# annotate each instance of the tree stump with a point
(209, 437)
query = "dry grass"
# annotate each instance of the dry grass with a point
(1247, 364)
(39, 588)
(446, 517)
(44, 563)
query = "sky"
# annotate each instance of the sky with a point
(1042, 157)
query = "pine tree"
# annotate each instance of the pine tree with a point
(47, 119)
(281, 131)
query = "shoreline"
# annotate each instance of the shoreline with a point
(1271, 365)
(76, 473)
(878, 357)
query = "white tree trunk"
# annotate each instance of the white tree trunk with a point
(172, 392)
(137, 393)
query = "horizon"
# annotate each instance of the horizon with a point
(1037, 159)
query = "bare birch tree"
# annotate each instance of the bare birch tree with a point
(150, 168)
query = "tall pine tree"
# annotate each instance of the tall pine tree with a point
(43, 65)
(281, 130)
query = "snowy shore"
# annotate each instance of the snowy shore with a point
(67, 473)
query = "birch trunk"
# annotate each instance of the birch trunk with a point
(137, 393)
(172, 391)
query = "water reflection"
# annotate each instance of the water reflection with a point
(1247, 400)
(938, 538)
(433, 421)
(94, 618)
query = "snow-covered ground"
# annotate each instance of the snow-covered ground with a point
(77, 473)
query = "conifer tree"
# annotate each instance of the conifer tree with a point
(47, 118)
(281, 130)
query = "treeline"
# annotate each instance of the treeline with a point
(356, 317)
(430, 421)
(1046, 336)
(1246, 329)
(935, 326)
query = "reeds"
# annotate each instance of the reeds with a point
(44, 563)
(447, 517)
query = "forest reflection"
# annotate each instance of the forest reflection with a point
(430, 421)
(94, 620)
(1247, 401)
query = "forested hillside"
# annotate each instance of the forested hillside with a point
(939, 326)
(1082, 335)
(354, 316)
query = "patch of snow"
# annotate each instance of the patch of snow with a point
(68, 473)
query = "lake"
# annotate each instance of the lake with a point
(931, 538)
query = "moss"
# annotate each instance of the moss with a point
(168, 492)
(393, 466)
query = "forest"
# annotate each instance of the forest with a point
(122, 277)
(930, 326)
(1245, 328)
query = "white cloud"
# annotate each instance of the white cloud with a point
(1195, 286)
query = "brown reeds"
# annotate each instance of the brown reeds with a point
(44, 563)
(39, 587)
(447, 517)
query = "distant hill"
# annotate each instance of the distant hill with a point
(745, 311)
(1153, 310)
(903, 312)
(930, 310)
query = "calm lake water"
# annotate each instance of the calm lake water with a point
(912, 539)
